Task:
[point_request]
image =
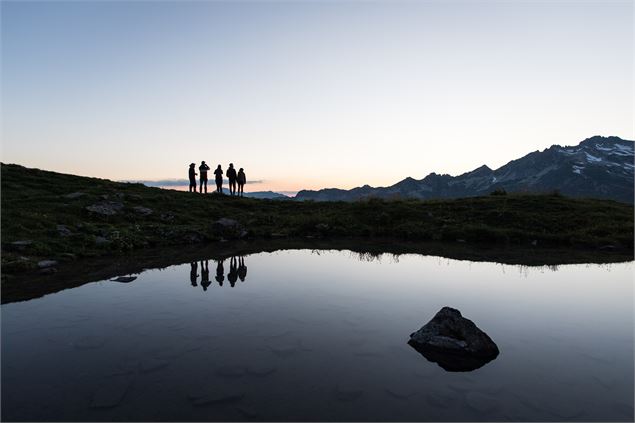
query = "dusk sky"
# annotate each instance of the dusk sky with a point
(309, 94)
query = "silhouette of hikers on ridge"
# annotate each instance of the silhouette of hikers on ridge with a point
(192, 175)
(203, 168)
(219, 179)
(231, 175)
(242, 180)
(237, 180)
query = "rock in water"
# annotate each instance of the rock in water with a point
(124, 279)
(454, 342)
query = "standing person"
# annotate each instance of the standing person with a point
(219, 179)
(231, 175)
(203, 168)
(192, 174)
(242, 180)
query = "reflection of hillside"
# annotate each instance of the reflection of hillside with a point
(30, 285)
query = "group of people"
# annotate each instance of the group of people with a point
(237, 180)
(237, 270)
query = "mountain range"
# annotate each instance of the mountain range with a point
(598, 167)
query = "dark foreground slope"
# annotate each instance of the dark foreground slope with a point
(47, 215)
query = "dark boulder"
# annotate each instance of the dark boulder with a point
(454, 342)
(229, 229)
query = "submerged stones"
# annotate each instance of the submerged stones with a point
(124, 279)
(454, 342)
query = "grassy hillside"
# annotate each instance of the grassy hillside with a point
(35, 203)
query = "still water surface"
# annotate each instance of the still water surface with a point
(322, 335)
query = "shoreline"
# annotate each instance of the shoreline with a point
(32, 284)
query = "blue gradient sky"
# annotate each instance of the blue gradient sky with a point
(309, 94)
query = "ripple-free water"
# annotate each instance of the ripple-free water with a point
(322, 335)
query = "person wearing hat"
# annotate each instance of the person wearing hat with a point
(203, 168)
(242, 180)
(192, 177)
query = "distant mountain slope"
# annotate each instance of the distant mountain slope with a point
(267, 194)
(598, 167)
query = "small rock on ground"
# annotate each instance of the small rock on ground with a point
(63, 230)
(43, 264)
(144, 211)
(74, 195)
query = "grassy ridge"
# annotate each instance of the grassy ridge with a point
(34, 203)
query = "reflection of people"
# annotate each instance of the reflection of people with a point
(242, 269)
(220, 272)
(205, 282)
(193, 272)
(232, 276)
(219, 179)
(203, 168)
(242, 180)
(231, 175)
(192, 175)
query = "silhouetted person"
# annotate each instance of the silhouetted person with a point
(193, 272)
(220, 272)
(242, 269)
(219, 179)
(192, 174)
(203, 168)
(205, 282)
(242, 180)
(231, 175)
(232, 276)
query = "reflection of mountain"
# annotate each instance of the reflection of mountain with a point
(598, 167)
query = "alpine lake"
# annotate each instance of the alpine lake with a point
(320, 335)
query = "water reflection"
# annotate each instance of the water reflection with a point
(288, 346)
(237, 271)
